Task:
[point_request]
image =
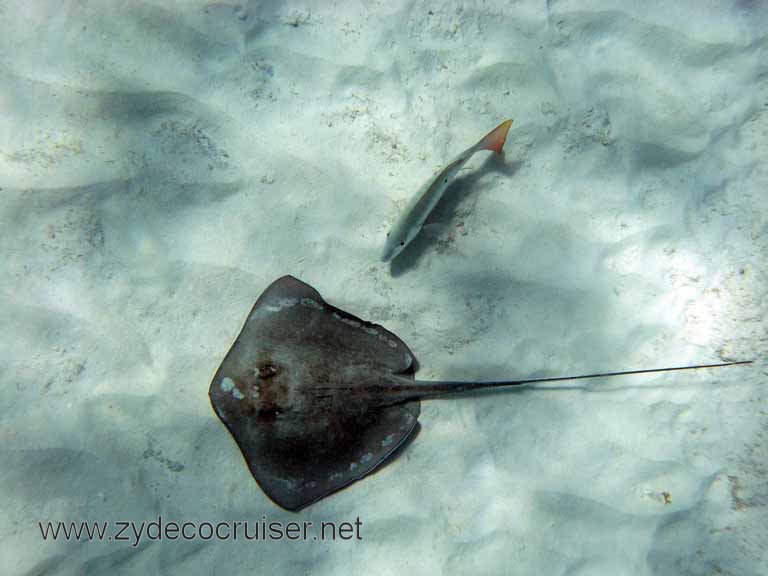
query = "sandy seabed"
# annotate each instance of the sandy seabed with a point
(162, 162)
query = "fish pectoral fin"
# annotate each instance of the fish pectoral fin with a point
(435, 230)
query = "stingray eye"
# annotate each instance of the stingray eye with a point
(388, 233)
(267, 371)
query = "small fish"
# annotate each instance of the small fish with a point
(409, 224)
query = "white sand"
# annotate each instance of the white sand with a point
(162, 162)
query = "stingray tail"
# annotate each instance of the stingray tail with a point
(423, 390)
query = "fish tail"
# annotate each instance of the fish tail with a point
(495, 139)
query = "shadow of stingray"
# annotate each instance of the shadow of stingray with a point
(439, 229)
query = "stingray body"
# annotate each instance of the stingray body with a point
(303, 390)
(317, 398)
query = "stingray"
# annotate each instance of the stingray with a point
(317, 398)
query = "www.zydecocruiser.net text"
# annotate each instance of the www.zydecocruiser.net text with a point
(253, 530)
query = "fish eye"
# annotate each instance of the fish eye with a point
(388, 233)
(402, 243)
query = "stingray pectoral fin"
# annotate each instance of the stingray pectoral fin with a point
(496, 138)
(295, 475)
(286, 288)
